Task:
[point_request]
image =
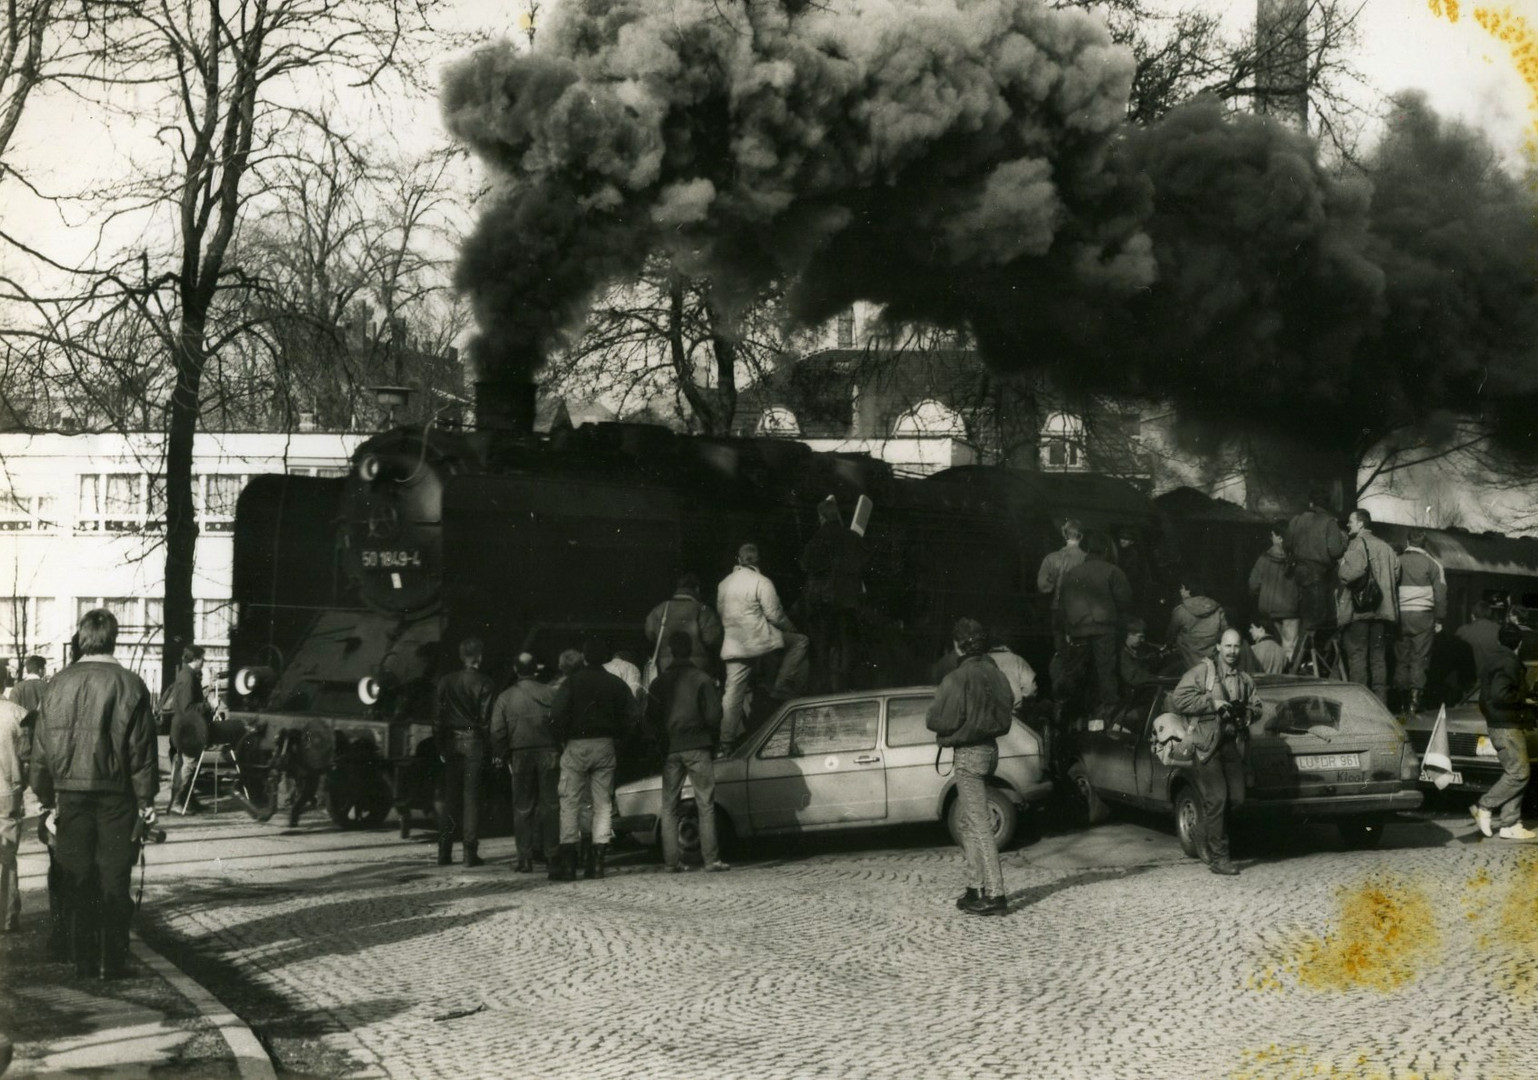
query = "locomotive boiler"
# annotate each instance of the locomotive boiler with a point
(353, 593)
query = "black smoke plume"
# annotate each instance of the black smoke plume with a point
(965, 162)
(911, 153)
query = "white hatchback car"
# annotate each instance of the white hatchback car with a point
(852, 760)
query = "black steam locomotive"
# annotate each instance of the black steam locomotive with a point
(353, 593)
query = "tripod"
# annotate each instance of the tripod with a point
(1318, 653)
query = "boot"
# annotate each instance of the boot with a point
(585, 857)
(563, 866)
(595, 858)
(472, 856)
(445, 852)
(1415, 701)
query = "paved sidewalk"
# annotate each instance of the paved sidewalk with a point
(63, 1026)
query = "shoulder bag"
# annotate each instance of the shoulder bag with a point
(1366, 595)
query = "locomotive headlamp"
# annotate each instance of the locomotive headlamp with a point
(368, 690)
(253, 680)
(368, 468)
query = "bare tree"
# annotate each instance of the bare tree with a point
(234, 74)
(668, 336)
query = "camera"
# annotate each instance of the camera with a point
(145, 833)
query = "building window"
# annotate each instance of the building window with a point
(930, 419)
(219, 494)
(846, 329)
(1062, 442)
(116, 502)
(28, 624)
(216, 618)
(28, 513)
(777, 420)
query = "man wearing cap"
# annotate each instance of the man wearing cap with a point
(521, 736)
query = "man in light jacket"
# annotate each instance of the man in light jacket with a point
(1219, 699)
(756, 627)
(1422, 607)
(1365, 633)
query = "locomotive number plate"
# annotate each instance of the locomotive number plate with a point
(391, 560)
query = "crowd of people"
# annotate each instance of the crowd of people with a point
(88, 734)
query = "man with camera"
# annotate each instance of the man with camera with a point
(94, 770)
(1218, 702)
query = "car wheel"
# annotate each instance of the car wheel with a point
(1092, 809)
(689, 832)
(1191, 823)
(1360, 834)
(1003, 816)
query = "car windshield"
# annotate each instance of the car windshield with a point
(1326, 711)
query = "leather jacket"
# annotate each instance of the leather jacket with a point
(464, 704)
(96, 732)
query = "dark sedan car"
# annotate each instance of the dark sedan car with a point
(1320, 749)
(1475, 765)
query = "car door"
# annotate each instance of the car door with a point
(819, 767)
(1108, 746)
(913, 784)
(1153, 776)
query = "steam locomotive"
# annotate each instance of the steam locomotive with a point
(353, 593)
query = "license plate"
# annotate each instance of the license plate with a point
(1316, 762)
(1452, 777)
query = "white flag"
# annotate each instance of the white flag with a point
(1438, 760)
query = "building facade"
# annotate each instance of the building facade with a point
(82, 526)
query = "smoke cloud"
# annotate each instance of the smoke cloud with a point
(966, 163)
(902, 151)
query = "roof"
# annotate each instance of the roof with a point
(1188, 504)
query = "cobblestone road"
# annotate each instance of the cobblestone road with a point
(848, 959)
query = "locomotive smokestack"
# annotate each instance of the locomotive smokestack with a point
(505, 404)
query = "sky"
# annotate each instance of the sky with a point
(1462, 68)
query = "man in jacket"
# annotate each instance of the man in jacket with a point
(1049, 577)
(1364, 634)
(28, 693)
(190, 717)
(94, 759)
(971, 709)
(1095, 599)
(13, 780)
(1273, 583)
(1136, 660)
(521, 737)
(1267, 653)
(1422, 607)
(1219, 700)
(461, 731)
(1503, 698)
(833, 561)
(687, 612)
(683, 710)
(1316, 542)
(589, 714)
(1196, 623)
(756, 628)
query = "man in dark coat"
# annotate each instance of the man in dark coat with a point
(521, 737)
(1095, 600)
(590, 713)
(687, 612)
(833, 561)
(94, 759)
(1315, 540)
(683, 712)
(1274, 584)
(190, 717)
(461, 731)
(1503, 699)
(1364, 634)
(971, 709)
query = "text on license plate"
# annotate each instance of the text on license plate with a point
(1329, 761)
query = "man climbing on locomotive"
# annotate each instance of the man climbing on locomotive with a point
(756, 628)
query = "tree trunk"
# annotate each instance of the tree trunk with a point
(181, 519)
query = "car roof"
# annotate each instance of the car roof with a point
(858, 695)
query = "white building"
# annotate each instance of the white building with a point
(81, 526)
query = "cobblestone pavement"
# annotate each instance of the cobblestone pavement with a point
(352, 955)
